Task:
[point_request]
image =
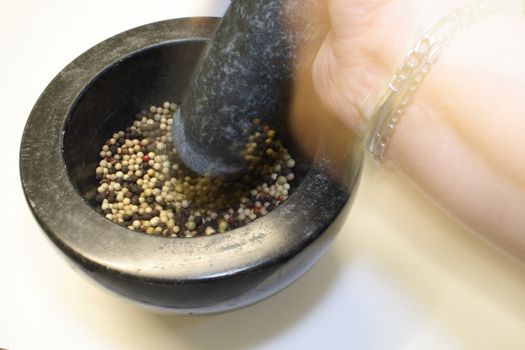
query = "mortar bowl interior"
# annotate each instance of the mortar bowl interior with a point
(100, 93)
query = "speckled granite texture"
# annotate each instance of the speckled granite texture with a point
(246, 72)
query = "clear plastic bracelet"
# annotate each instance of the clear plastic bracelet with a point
(402, 88)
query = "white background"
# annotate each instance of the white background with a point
(399, 276)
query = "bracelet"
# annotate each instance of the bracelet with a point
(402, 88)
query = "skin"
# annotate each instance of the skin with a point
(462, 139)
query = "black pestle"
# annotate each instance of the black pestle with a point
(246, 72)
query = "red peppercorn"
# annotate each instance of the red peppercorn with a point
(145, 158)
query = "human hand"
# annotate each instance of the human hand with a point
(365, 44)
(458, 139)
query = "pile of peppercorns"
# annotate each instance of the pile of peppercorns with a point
(144, 186)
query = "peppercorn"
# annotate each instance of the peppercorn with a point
(144, 186)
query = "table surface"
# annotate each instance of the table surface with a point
(400, 275)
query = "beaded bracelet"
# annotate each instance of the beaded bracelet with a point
(402, 88)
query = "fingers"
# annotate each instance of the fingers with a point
(312, 123)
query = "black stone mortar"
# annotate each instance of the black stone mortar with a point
(99, 93)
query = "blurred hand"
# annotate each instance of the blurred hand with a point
(366, 42)
(461, 139)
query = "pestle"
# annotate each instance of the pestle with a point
(245, 72)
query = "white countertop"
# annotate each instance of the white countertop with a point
(400, 275)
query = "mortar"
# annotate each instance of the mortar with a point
(100, 92)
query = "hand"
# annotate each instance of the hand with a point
(364, 46)
(461, 138)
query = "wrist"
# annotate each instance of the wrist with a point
(401, 89)
(477, 88)
(407, 25)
